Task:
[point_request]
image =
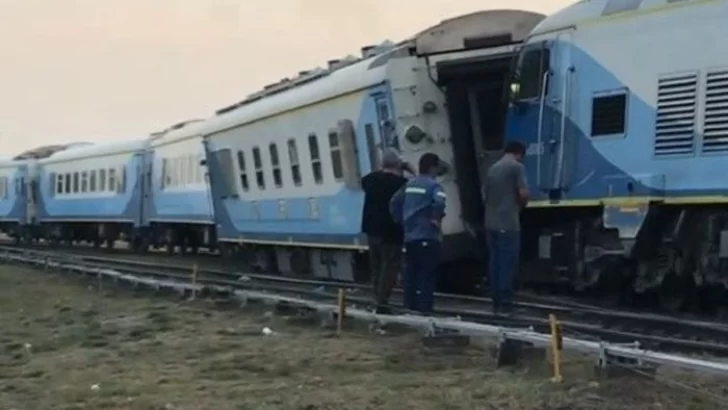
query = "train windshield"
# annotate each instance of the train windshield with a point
(528, 79)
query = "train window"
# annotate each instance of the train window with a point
(102, 180)
(59, 184)
(190, 170)
(276, 165)
(163, 173)
(67, 184)
(533, 64)
(295, 164)
(608, 115)
(122, 179)
(243, 171)
(171, 172)
(84, 181)
(92, 181)
(313, 150)
(174, 180)
(385, 127)
(76, 187)
(112, 179)
(336, 163)
(199, 170)
(3, 187)
(372, 147)
(258, 164)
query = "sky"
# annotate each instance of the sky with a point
(104, 70)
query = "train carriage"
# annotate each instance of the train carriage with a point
(285, 166)
(625, 115)
(16, 211)
(179, 205)
(92, 193)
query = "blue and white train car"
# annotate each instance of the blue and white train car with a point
(179, 205)
(286, 163)
(93, 193)
(16, 201)
(625, 114)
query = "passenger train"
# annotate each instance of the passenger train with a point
(148, 191)
(622, 111)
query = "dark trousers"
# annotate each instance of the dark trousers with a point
(385, 262)
(504, 249)
(422, 262)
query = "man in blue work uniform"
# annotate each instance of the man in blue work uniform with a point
(420, 207)
(505, 193)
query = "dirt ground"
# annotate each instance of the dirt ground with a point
(66, 345)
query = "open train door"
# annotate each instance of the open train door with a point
(472, 57)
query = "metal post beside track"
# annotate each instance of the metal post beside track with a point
(557, 343)
(342, 310)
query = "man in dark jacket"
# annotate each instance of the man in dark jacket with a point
(420, 207)
(384, 235)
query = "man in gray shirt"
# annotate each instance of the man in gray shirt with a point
(505, 193)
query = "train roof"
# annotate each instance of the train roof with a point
(486, 28)
(96, 150)
(46, 151)
(11, 162)
(587, 10)
(178, 132)
(310, 87)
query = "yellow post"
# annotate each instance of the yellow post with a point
(556, 347)
(194, 281)
(342, 310)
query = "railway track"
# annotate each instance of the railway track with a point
(580, 320)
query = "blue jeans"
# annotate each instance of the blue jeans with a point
(422, 262)
(504, 249)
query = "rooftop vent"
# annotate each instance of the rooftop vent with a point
(368, 51)
(334, 64)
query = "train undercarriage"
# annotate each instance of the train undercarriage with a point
(674, 256)
(174, 238)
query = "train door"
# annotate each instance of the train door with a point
(144, 178)
(543, 107)
(384, 118)
(559, 143)
(475, 91)
(379, 129)
(29, 192)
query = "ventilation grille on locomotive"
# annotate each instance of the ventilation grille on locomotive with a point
(676, 108)
(715, 119)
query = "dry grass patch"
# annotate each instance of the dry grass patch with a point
(65, 345)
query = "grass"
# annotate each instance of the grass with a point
(66, 345)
